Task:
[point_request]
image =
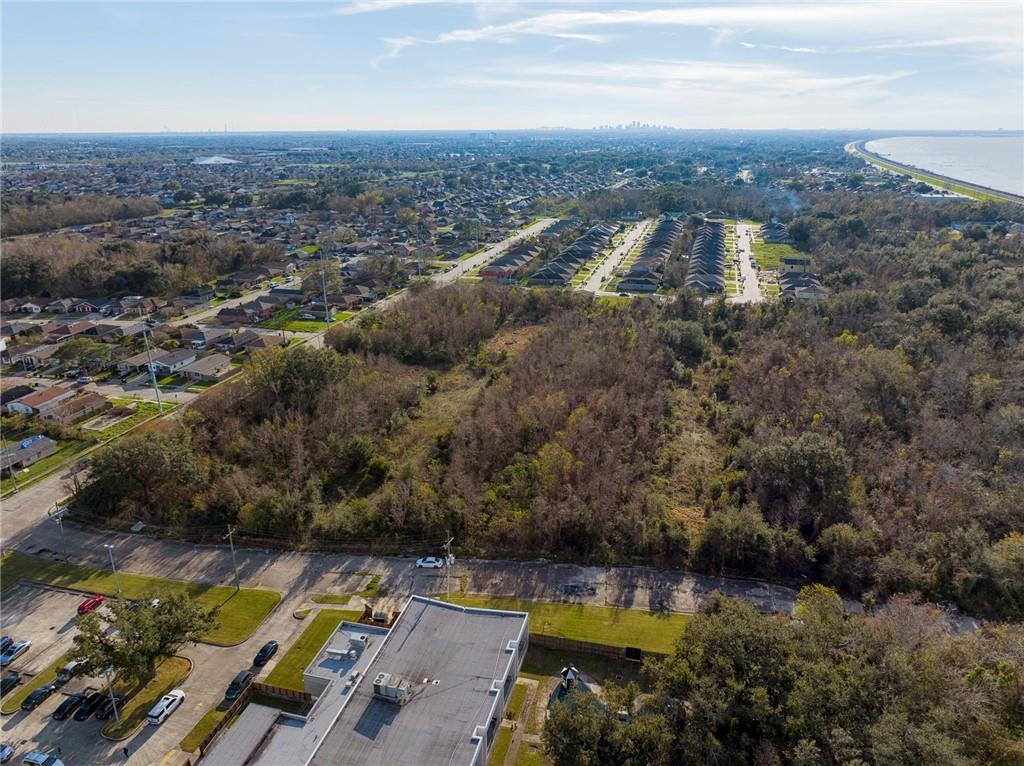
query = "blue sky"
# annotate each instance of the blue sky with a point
(412, 64)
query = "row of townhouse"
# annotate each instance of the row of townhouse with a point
(706, 268)
(561, 270)
(648, 269)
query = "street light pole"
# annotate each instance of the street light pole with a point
(152, 372)
(58, 515)
(117, 579)
(448, 560)
(110, 691)
(234, 561)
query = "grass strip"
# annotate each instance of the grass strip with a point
(239, 612)
(287, 674)
(649, 631)
(516, 700)
(202, 729)
(169, 674)
(502, 741)
(13, 701)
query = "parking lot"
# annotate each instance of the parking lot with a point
(47, 617)
(44, 616)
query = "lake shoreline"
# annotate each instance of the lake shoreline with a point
(956, 185)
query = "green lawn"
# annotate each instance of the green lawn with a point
(500, 749)
(515, 701)
(768, 256)
(598, 624)
(13, 700)
(239, 612)
(288, 671)
(169, 674)
(65, 450)
(527, 756)
(471, 253)
(308, 249)
(287, 319)
(335, 599)
(202, 728)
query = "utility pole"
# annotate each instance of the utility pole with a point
(234, 561)
(323, 283)
(449, 559)
(117, 579)
(152, 372)
(110, 691)
(58, 515)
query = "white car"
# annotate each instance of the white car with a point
(167, 705)
(430, 562)
(35, 758)
(6, 753)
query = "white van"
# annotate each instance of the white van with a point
(167, 705)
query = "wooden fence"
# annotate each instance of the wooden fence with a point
(280, 691)
(558, 643)
(229, 714)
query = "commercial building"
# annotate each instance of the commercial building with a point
(431, 691)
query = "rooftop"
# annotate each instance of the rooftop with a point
(455, 659)
(452, 656)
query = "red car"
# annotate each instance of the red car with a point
(89, 604)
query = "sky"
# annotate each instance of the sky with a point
(421, 64)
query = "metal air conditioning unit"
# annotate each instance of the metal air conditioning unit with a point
(391, 688)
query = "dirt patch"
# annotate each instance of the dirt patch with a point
(111, 418)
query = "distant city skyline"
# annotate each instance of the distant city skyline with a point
(476, 65)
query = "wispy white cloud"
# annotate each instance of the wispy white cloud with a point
(736, 78)
(845, 20)
(377, 6)
(787, 48)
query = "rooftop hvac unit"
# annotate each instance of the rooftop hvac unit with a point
(356, 645)
(391, 688)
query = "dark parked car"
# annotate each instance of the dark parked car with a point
(88, 707)
(243, 679)
(70, 704)
(9, 682)
(263, 655)
(38, 697)
(5, 643)
(106, 710)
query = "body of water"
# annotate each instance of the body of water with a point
(993, 161)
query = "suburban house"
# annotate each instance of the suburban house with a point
(209, 369)
(172, 361)
(265, 341)
(76, 408)
(135, 363)
(41, 400)
(202, 338)
(33, 357)
(14, 392)
(26, 452)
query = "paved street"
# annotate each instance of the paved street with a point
(748, 271)
(482, 259)
(606, 269)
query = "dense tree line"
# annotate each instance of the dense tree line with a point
(822, 688)
(68, 266)
(872, 441)
(33, 213)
